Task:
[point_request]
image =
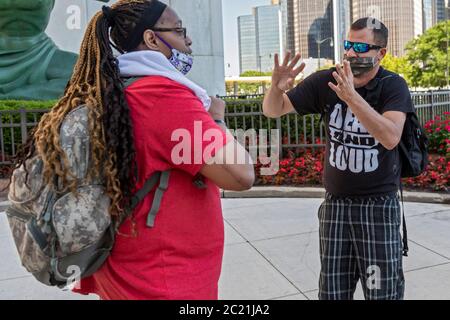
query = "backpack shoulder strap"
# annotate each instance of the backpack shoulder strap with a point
(163, 179)
(163, 185)
(405, 230)
(129, 81)
(374, 89)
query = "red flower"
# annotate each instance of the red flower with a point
(318, 166)
(434, 175)
(284, 163)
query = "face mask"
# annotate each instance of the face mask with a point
(181, 61)
(361, 65)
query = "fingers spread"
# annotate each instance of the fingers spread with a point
(277, 60)
(347, 68)
(338, 78)
(286, 59)
(299, 69)
(295, 61)
(334, 88)
(340, 69)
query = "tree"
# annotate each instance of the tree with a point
(428, 58)
(398, 65)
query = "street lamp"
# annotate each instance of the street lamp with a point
(319, 42)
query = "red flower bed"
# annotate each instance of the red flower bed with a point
(438, 131)
(435, 178)
(307, 170)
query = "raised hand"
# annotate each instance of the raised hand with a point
(345, 88)
(283, 76)
(217, 109)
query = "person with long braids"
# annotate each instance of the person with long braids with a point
(140, 106)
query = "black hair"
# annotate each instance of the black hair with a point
(380, 31)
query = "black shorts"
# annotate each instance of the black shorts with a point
(360, 240)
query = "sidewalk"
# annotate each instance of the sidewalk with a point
(272, 252)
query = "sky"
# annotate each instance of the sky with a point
(231, 10)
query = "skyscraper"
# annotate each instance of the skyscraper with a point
(268, 38)
(247, 43)
(290, 16)
(440, 10)
(401, 17)
(316, 27)
(311, 27)
(448, 10)
(260, 37)
(434, 11)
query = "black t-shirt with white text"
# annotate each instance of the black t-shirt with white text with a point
(356, 163)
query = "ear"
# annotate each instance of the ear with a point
(150, 40)
(383, 53)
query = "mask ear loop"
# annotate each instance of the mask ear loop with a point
(379, 60)
(165, 42)
(115, 47)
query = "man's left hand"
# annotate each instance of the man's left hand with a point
(345, 88)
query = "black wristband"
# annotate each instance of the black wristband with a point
(220, 122)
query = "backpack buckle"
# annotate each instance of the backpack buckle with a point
(199, 183)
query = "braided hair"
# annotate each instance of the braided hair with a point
(96, 83)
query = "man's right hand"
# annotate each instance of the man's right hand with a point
(276, 103)
(283, 77)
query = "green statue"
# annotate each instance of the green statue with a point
(31, 65)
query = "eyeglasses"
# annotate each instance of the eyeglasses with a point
(180, 31)
(360, 47)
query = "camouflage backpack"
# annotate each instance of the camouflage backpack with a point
(63, 237)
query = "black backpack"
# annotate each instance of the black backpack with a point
(413, 146)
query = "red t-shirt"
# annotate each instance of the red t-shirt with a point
(179, 258)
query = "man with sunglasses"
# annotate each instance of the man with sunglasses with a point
(360, 217)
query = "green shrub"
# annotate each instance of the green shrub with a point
(295, 129)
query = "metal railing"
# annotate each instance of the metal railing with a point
(299, 132)
(243, 112)
(430, 104)
(14, 128)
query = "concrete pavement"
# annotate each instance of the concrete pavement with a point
(272, 252)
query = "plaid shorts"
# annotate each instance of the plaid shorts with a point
(360, 240)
